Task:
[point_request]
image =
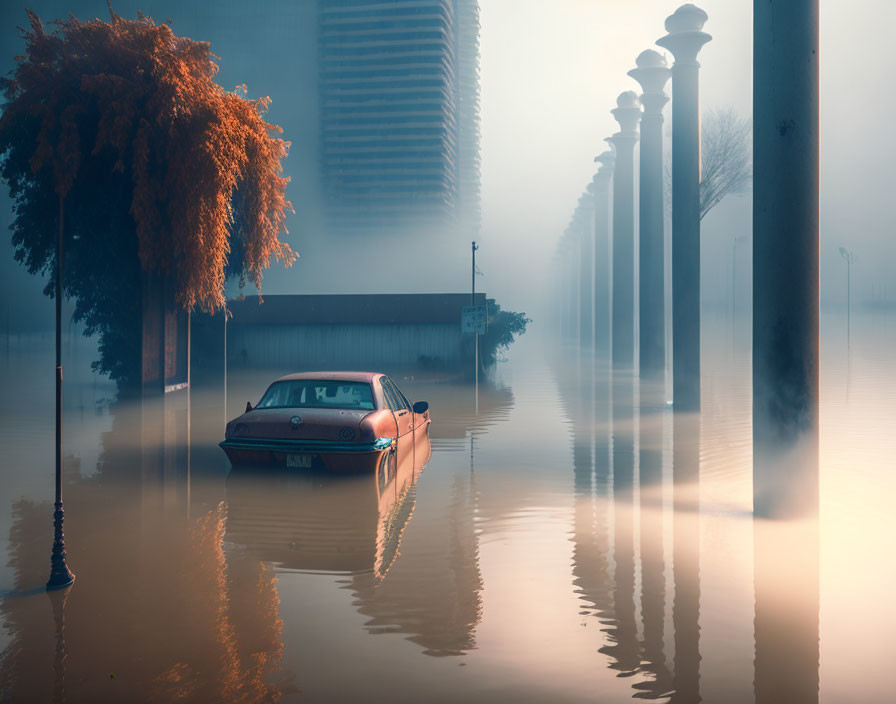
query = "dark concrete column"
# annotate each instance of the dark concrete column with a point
(585, 228)
(685, 40)
(601, 183)
(627, 114)
(785, 257)
(652, 73)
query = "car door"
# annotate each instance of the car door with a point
(404, 419)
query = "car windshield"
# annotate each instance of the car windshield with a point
(318, 393)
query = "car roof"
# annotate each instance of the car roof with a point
(368, 377)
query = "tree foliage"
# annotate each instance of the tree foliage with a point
(133, 97)
(159, 170)
(727, 164)
(503, 327)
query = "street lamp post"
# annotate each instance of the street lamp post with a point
(60, 575)
(849, 257)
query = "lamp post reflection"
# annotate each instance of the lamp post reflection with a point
(173, 616)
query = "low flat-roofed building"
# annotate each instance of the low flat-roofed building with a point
(378, 332)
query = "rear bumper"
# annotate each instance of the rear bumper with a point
(329, 455)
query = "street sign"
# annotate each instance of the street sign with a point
(474, 319)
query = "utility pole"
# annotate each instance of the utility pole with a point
(476, 334)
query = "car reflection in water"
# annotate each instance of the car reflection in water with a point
(312, 520)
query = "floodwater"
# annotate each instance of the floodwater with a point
(542, 554)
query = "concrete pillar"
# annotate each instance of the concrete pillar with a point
(558, 290)
(572, 264)
(585, 228)
(652, 73)
(785, 257)
(602, 270)
(627, 114)
(684, 40)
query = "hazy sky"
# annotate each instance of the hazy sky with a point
(551, 71)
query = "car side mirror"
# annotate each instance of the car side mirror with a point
(421, 407)
(248, 406)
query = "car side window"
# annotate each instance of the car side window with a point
(403, 404)
(398, 402)
(391, 400)
(401, 397)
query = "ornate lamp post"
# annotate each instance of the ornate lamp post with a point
(685, 38)
(627, 113)
(601, 183)
(652, 73)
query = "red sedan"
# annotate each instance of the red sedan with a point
(335, 421)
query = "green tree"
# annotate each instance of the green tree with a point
(503, 328)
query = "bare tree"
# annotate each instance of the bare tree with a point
(726, 156)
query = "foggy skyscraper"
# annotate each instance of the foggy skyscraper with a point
(399, 113)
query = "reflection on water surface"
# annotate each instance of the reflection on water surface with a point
(547, 551)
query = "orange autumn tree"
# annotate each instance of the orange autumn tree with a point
(119, 129)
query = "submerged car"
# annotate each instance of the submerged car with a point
(330, 421)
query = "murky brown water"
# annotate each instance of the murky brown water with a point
(541, 554)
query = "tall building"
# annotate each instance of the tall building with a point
(399, 114)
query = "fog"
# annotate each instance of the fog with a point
(550, 72)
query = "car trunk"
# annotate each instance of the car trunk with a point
(340, 425)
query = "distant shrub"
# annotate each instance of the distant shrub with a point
(503, 328)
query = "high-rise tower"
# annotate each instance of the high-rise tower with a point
(399, 113)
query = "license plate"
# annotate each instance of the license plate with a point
(298, 461)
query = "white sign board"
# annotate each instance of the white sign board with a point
(474, 319)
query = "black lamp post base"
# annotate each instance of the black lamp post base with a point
(60, 575)
(60, 581)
